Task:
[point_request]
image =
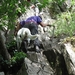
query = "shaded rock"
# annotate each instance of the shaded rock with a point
(2, 73)
(53, 53)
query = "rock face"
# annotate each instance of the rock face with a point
(53, 53)
(36, 64)
(40, 66)
(52, 60)
(69, 56)
(1, 73)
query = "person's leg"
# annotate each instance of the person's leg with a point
(33, 27)
(34, 30)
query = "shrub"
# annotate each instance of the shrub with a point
(65, 24)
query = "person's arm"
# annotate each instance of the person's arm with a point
(43, 24)
(39, 21)
(32, 6)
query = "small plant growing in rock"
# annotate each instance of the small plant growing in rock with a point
(18, 57)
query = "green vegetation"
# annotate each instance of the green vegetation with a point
(15, 55)
(65, 24)
(10, 8)
(16, 60)
(11, 44)
(18, 57)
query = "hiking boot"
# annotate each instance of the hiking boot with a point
(37, 49)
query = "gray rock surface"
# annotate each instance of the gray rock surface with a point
(36, 64)
(2, 73)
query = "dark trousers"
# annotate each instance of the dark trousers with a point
(33, 27)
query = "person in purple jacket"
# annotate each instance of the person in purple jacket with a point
(32, 23)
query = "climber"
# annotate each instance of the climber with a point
(32, 23)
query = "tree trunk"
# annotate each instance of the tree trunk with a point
(3, 49)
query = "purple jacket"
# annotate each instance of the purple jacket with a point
(35, 19)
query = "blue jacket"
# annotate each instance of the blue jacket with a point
(35, 19)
